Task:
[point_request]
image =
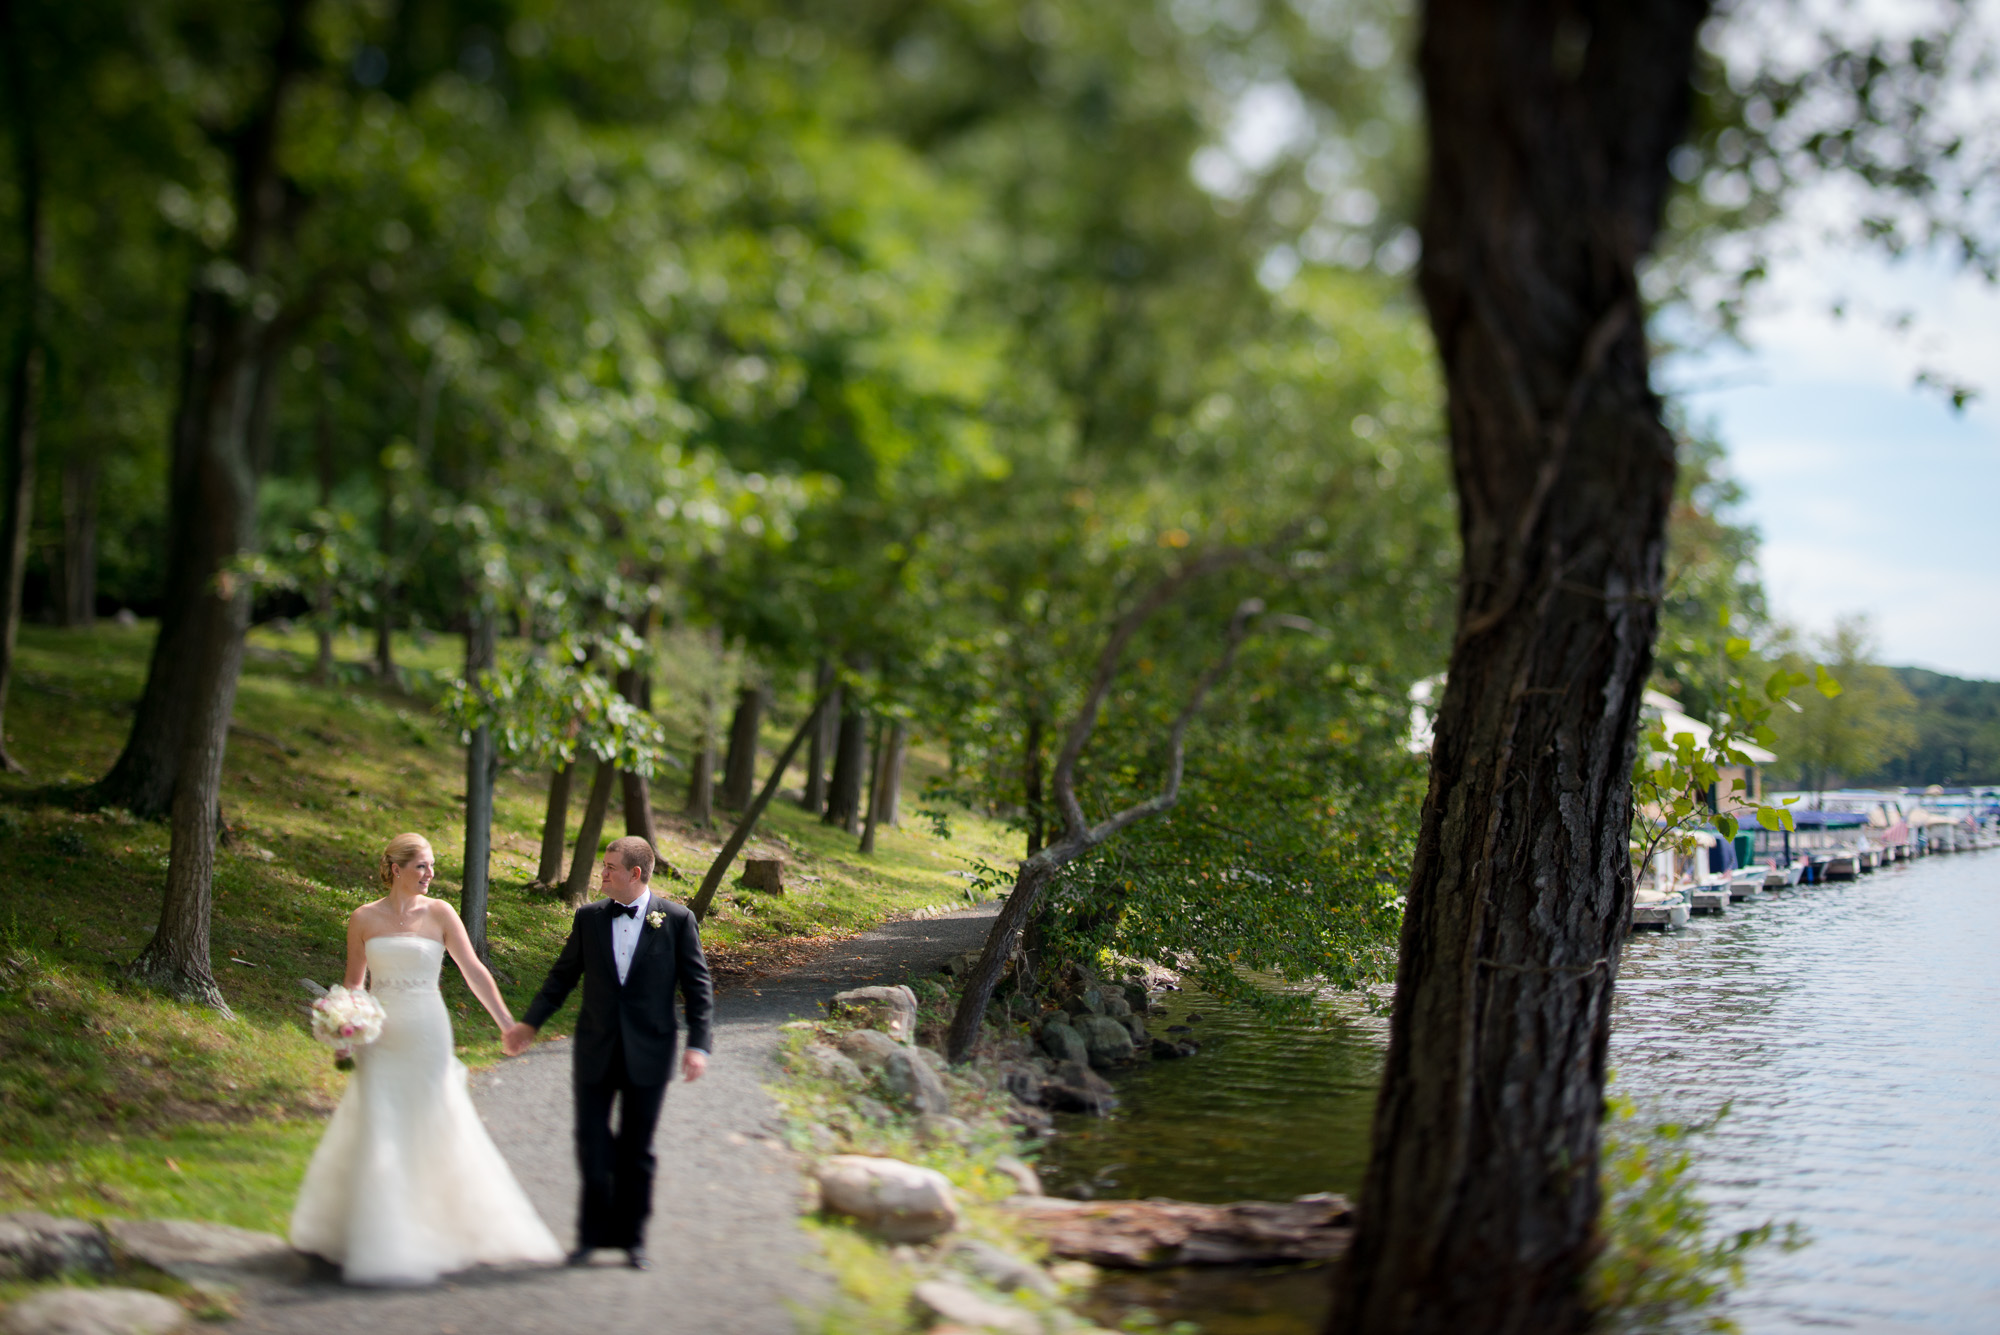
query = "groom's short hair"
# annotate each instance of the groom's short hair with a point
(635, 853)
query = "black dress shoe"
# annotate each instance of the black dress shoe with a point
(636, 1258)
(581, 1256)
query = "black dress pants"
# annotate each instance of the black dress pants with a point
(617, 1166)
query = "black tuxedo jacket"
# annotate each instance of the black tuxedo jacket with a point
(640, 1011)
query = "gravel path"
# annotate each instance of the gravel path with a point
(729, 1256)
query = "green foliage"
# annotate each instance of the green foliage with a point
(1857, 721)
(1673, 777)
(1662, 1266)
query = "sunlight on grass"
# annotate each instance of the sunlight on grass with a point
(101, 1083)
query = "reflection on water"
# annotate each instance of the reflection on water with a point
(1854, 1030)
(1261, 1113)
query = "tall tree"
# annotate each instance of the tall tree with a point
(1550, 128)
(231, 339)
(174, 756)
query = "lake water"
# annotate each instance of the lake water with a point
(1853, 1029)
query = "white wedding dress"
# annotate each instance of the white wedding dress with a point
(406, 1185)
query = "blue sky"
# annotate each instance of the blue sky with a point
(1871, 495)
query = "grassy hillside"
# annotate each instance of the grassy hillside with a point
(116, 1100)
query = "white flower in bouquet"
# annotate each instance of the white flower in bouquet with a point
(346, 1019)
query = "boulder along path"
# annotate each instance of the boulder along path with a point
(728, 1254)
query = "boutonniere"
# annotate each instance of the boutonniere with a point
(655, 918)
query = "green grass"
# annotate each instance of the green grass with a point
(102, 1083)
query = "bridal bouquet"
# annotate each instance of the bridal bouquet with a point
(345, 1020)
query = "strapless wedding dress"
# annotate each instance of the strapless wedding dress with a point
(406, 1185)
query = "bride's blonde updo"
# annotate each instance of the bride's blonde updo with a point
(401, 850)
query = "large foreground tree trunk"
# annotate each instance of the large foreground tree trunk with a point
(739, 770)
(229, 360)
(1550, 130)
(24, 364)
(482, 767)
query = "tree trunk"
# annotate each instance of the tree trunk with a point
(576, 890)
(877, 767)
(820, 745)
(739, 771)
(638, 688)
(701, 783)
(889, 807)
(739, 836)
(24, 370)
(1550, 130)
(1031, 783)
(555, 824)
(482, 767)
(77, 609)
(228, 361)
(850, 759)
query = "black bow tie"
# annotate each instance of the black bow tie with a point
(624, 910)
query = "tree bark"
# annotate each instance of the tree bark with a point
(739, 770)
(77, 609)
(637, 687)
(820, 745)
(877, 768)
(576, 890)
(739, 836)
(850, 759)
(228, 359)
(1031, 782)
(24, 368)
(1550, 130)
(482, 767)
(555, 824)
(891, 802)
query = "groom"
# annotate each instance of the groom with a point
(631, 950)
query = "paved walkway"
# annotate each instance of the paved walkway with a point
(729, 1256)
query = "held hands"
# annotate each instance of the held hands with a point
(693, 1064)
(517, 1038)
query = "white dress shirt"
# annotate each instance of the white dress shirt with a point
(625, 930)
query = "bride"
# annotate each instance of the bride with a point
(406, 1185)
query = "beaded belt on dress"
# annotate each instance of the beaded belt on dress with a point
(403, 985)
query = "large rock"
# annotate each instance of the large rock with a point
(893, 1010)
(41, 1246)
(1077, 1088)
(830, 1063)
(1021, 1080)
(1090, 1001)
(194, 1251)
(1027, 1182)
(869, 1049)
(94, 1312)
(900, 1201)
(1107, 1042)
(945, 1300)
(1003, 1270)
(914, 1084)
(938, 1129)
(1062, 1041)
(1117, 1007)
